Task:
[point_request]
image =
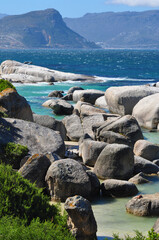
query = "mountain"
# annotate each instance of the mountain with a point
(2, 15)
(39, 29)
(119, 30)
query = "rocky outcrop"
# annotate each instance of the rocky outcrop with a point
(66, 178)
(73, 127)
(146, 149)
(91, 150)
(144, 205)
(118, 188)
(145, 166)
(50, 122)
(35, 169)
(126, 125)
(24, 73)
(59, 106)
(81, 221)
(115, 161)
(146, 111)
(14, 105)
(89, 95)
(122, 100)
(37, 138)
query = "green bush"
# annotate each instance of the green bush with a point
(13, 153)
(138, 236)
(15, 229)
(20, 198)
(5, 84)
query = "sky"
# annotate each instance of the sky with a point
(77, 8)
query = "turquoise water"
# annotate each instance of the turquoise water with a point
(114, 68)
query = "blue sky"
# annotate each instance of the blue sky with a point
(77, 8)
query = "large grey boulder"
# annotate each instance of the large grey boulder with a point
(35, 169)
(50, 122)
(59, 106)
(115, 161)
(37, 138)
(89, 95)
(24, 73)
(89, 121)
(144, 165)
(66, 178)
(14, 105)
(81, 221)
(73, 127)
(144, 205)
(91, 150)
(146, 111)
(126, 125)
(112, 137)
(118, 188)
(122, 100)
(146, 149)
(89, 110)
(101, 102)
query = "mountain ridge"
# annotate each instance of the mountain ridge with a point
(39, 29)
(119, 29)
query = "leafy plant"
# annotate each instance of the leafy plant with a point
(5, 84)
(20, 198)
(12, 154)
(152, 235)
(16, 229)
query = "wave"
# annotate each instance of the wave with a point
(108, 79)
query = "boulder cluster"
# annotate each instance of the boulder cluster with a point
(100, 138)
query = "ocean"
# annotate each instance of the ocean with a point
(111, 68)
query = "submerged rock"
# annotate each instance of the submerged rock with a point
(59, 106)
(144, 205)
(118, 188)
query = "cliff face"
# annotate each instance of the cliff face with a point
(123, 29)
(39, 29)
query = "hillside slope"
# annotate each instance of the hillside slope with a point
(39, 29)
(122, 29)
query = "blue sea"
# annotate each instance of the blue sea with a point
(111, 68)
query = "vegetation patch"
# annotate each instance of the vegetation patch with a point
(5, 84)
(13, 153)
(16, 229)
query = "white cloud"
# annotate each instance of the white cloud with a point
(150, 3)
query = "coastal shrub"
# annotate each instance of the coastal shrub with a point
(20, 198)
(16, 229)
(12, 153)
(5, 84)
(152, 235)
